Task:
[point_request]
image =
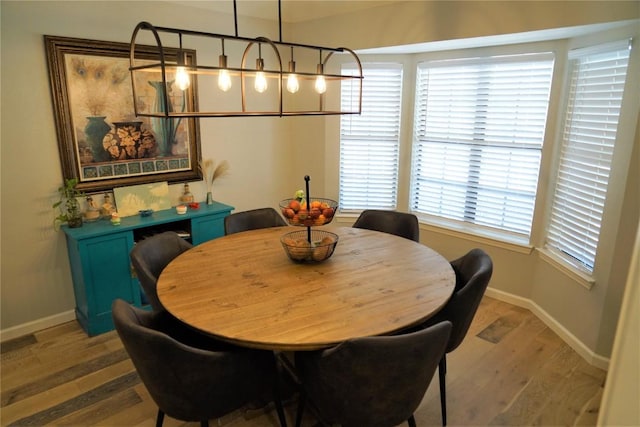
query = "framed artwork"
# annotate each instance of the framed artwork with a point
(101, 141)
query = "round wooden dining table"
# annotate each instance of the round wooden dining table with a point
(243, 289)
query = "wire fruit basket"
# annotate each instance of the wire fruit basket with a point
(315, 212)
(310, 245)
(300, 249)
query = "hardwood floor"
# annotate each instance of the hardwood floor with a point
(510, 370)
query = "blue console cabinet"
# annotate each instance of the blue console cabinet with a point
(100, 264)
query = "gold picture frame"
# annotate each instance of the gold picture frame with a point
(101, 142)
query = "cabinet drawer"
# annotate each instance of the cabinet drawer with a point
(207, 228)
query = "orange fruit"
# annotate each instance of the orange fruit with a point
(327, 212)
(295, 205)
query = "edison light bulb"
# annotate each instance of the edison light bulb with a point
(182, 78)
(321, 84)
(260, 84)
(292, 83)
(224, 80)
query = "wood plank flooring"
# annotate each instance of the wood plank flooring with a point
(510, 370)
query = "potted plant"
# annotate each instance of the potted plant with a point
(68, 204)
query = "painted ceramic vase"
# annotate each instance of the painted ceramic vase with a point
(165, 129)
(129, 140)
(94, 132)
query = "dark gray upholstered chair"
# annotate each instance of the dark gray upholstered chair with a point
(399, 223)
(190, 383)
(150, 256)
(371, 381)
(473, 272)
(252, 220)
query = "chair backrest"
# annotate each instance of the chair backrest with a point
(399, 223)
(373, 381)
(150, 256)
(252, 220)
(189, 383)
(473, 273)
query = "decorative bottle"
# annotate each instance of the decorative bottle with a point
(187, 197)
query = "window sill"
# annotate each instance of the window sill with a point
(565, 268)
(461, 231)
(480, 235)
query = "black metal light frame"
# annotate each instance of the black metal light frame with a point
(165, 68)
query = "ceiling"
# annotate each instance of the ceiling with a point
(292, 10)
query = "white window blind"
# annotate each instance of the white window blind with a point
(597, 78)
(478, 132)
(369, 143)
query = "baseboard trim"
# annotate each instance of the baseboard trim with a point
(36, 325)
(578, 346)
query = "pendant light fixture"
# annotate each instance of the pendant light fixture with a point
(312, 88)
(224, 79)
(292, 80)
(261, 80)
(321, 83)
(182, 78)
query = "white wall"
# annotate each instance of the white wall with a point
(268, 156)
(622, 389)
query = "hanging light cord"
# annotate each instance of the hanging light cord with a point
(279, 19)
(235, 17)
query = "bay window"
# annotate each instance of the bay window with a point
(478, 132)
(596, 86)
(369, 142)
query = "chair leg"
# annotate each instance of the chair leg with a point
(442, 372)
(301, 401)
(159, 418)
(411, 421)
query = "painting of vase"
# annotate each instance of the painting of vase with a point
(165, 129)
(129, 140)
(94, 132)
